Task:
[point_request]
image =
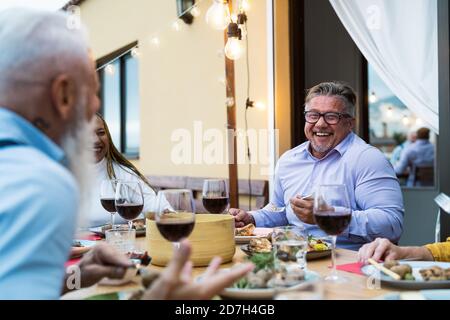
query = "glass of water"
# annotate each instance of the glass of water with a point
(290, 245)
(122, 239)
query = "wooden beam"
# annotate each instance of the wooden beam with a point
(231, 126)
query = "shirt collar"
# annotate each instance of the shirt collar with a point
(18, 130)
(342, 147)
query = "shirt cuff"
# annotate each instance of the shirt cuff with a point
(259, 219)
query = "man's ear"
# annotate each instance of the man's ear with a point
(63, 96)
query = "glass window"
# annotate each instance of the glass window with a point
(402, 136)
(132, 131)
(120, 102)
(111, 101)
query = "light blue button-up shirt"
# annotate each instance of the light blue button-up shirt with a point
(416, 155)
(38, 205)
(374, 191)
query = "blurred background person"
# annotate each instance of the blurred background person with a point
(397, 152)
(418, 155)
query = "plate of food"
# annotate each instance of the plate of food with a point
(138, 225)
(262, 283)
(245, 234)
(415, 275)
(317, 248)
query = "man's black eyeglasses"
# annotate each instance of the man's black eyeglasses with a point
(329, 117)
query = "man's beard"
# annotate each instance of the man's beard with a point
(321, 149)
(77, 144)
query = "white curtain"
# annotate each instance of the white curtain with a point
(399, 39)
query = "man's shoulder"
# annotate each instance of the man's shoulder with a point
(30, 165)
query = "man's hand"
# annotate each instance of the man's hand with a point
(241, 218)
(175, 282)
(303, 209)
(100, 262)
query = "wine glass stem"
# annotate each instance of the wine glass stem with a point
(176, 245)
(113, 216)
(130, 225)
(333, 256)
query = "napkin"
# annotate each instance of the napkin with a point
(351, 267)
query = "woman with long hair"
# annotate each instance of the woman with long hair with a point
(111, 164)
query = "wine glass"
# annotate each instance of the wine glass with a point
(175, 215)
(215, 195)
(332, 213)
(108, 197)
(129, 200)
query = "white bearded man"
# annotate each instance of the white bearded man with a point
(48, 96)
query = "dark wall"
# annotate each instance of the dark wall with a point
(322, 50)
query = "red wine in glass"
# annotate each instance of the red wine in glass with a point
(333, 214)
(109, 205)
(215, 204)
(129, 211)
(174, 231)
(333, 223)
(215, 195)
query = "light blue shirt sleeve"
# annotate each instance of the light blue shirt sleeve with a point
(378, 198)
(36, 231)
(404, 161)
(266, 218)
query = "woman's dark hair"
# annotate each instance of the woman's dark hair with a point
(113, 155)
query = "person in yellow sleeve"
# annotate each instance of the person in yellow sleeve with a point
(383, 249)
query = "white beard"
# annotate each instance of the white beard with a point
(77, 145)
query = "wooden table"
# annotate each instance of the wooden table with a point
(356, 288)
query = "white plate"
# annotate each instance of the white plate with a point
(269, 293)
(258, 233)
(417, 284)
(417, 295)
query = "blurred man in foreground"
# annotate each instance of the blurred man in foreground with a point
(48, 96)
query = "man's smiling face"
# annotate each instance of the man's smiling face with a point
(323, 136)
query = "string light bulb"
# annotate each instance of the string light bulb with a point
(389, 112)
(245, 5)
(110, 69)
(218, 15)
(255, 104)
(195, 12)
(234, 49)
(176, 25)
(135, 53)
(405, 120)
(373, 98)
(155, 42)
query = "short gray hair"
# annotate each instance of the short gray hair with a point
(37, 45)
(335, 88)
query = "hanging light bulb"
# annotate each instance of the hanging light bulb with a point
(389, 112)
(195, 12)
(234, 49)
(135, 53)
(155, 42)
(373, 98)
(176, 25)
(218, 15)
(419, 122)
(405, 120)
(259, 105)
(110, 69)
(245, 5)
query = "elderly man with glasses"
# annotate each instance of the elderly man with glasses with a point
(333, 154)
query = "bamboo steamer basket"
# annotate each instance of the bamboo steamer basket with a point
(213, 235)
